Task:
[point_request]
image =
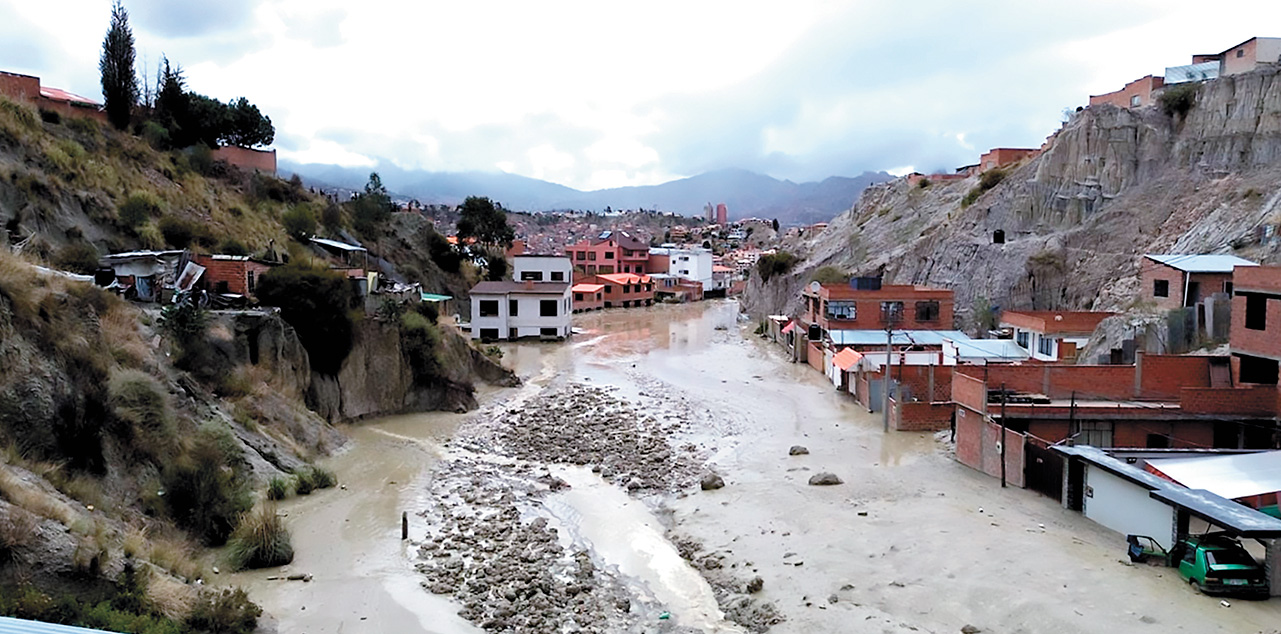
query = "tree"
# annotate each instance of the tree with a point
(119, 83)
(246, 126)
(776, 224)
(481, 219)
(316, 302)
(372, 209)
(299, 222)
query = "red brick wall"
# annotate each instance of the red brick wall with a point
(976, 441)
(19, 87)
(1164, 376)
(1149, 272)
(814, 356)
(1100, 381)
(247, 159)
(1260, 400)
(921, 416)
(1257, 342)
(969, 391)
(917, 379)
(1142, 88)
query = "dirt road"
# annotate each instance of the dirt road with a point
(913, 541)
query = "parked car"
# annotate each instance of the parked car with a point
(1216, 563)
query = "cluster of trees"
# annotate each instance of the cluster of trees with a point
(175, 117)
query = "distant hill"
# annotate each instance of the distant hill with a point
(746, 193)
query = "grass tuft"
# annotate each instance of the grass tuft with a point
(261, 540)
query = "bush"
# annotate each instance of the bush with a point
(226, 612)
(138, 208)
(1178, 99)
(299, 222)
(140, 412)
(261, 540)
(331, 216)
(923, 183)
(17, 531)
(419, 339)
(278, 488)
(316, 302)
(232, 246)
(829, 275)
(442, 252)
(156, 135)
(304, 482)
(77, 257)
(775, 264)
(204, 492)
(178, 233)
(988, 180)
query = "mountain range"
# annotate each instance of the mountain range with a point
(747, 194)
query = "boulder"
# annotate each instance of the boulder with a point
(797, 450)
(825, 479)
(711, 482)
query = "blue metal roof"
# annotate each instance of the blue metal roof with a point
(21, 626)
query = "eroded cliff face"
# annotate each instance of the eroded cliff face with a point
(375, 378)
(1112, 185)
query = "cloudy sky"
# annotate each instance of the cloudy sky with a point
(596, 94)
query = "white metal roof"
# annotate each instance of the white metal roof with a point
(22, 626)
(901, 337)
(1235, 476)
(1202, 263)
(337, 245)
(996, 349)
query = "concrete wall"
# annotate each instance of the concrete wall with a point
(1126, 507)
(545, 266)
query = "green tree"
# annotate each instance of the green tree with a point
(481, 219)
(299, 222)
(119, 83)
(776, 224)
(246, 126)
(371, 209)
(316, 302)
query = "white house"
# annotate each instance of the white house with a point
(691, 264)
(514, 310)
(542, 268)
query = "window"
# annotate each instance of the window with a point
(1161, 288)
(489, 308)
(489, 334)
(1260, 370)
(251, 283)
(1256, 311)
(513, 308)
(578, 297)
(1135, 101)
(891, 311)
(1095, 434)
(1158, 441)
(548, 308)
(591, 256)
(513, 334)
(1045, 345)
(1021, 337)
(609, 255)
(1227, 288)
(581, 255)
(558, 276)
(841, 310)
(1240, 53)
(548, 332)
(927, 311)
(534, 276)
(609, 288)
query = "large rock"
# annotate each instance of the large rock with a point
(711, 482)
(797, 450)
(825, 479)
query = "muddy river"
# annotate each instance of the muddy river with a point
(913, 541)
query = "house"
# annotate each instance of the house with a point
(1255, 343)
(610, 252)
(866, 304)
(353, 259)
(1178, 281)
(1136, 94)
(676, 289)
(515, 310)
(1202, 68)
(146, 276)
(25, 88)
(542, 268)
(1002, 156)
(588, 297)
(625, 290)
(692, 264)
(1052, 335)
(1248, 55)
(230, 274)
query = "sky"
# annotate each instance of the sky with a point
(593, 94)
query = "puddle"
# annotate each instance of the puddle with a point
(623, 533)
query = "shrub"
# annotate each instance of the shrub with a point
(268, 187)
(83, 125)
(77, 257)
(775, 264)
(331, 216)
(316, 302)
(17, 531)
(299, 222)
(156, 135)
(177, 232)
(232, 246)
(923, 183)
(829, 275)
(304, 482)
(138, 208)
(278, 488)
(226, 612)
(261, 540)
(140, 411)
(442, 252)
(150, 236)
(204, 492)
(988, 180)
(419, 339)
(324, 478)
(1178, 99)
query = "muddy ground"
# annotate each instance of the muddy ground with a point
(597, 522)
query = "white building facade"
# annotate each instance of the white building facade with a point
(519, 310)
(542, 268)
(691, 264)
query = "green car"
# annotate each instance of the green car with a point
(1216, 563)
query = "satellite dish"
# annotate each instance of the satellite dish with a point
(815, 286)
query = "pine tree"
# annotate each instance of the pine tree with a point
(119, 83)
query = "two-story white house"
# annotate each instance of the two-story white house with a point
(513, 310)
(1050, 335)
(542, 268)
(690, 264)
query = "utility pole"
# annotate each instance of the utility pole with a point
(887, 314)
(1004, 397)
(1072, 431)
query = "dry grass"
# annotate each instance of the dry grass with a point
(260, 541)
(17, 530)
(178, 555)
(123, 336)
(171, 597)
(33, 498)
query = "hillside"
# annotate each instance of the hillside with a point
(746, 193)
(135, 437)
(1113, 184)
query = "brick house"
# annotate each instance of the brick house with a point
(626, 290)
(851, 307)
(1002, 156)
(25, 88)
(1248, 55)
(236, 274)
(1052, 335)
(1178, 281)
(1136, 94)
(1256, 324)
(611, 252)
(588, 297)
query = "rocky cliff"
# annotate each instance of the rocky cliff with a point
(1111, 185)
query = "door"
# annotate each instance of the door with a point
(876, 398)
(1043, 470)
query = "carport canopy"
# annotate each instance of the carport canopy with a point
(1236, 518)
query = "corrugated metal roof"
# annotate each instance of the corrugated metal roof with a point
(996, 349)
(58, 94)
(846, 358)
(337, 245)
(21, 626)
(433, 297)
(901, 337)
(1202, 263)
(1233, 477)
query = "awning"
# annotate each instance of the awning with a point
(846, 359)
(1237, 518)
(432, 297)
(1233, 477)
(789, 327)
